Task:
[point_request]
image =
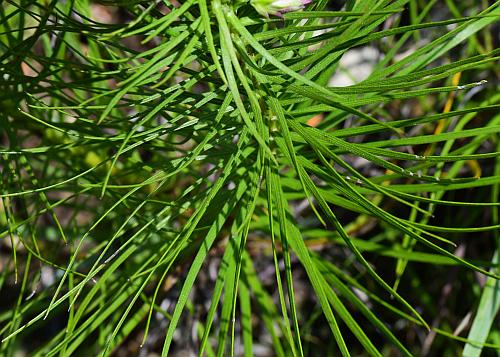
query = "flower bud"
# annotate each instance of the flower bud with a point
(278, 7)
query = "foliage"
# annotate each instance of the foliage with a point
(141, 152)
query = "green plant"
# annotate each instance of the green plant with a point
(138, 154)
